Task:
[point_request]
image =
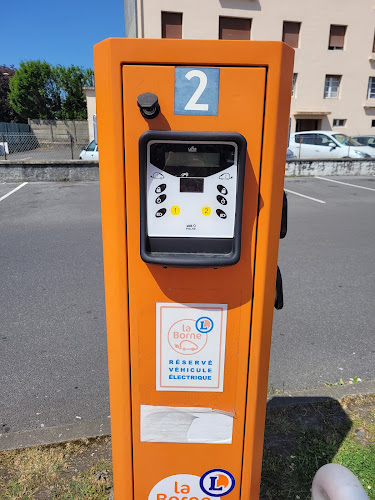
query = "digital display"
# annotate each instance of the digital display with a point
(191, 159)
(191, 185)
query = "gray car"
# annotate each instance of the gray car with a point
(365, 140)
(289, 154)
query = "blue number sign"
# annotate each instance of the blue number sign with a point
(196, 91)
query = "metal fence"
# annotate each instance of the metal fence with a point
(14, 128)
(21, 146)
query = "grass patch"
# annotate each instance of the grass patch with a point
(69, 471)
(299, 440)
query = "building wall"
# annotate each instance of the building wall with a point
(47, 131)
(313, 60)
(91, 109)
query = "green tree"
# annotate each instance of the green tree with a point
(89, 77)
(34, 90)
(7, 113)
(39, 90)
(73, 102)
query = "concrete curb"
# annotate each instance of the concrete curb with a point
(64, 433)
(52, 170)
(83, 170)
(321, 394)
(54, 435)
(305, 168)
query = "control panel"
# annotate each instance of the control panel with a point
(191, 197)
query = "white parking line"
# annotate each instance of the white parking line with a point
(304, 196)
(345, 183)
(13, 191)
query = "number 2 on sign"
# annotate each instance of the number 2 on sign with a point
(192, 104)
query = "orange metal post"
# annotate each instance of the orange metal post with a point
(254, 97)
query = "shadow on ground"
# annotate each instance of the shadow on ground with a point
(303, 434)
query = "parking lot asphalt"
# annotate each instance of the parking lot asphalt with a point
(52, 335)
(325, 332)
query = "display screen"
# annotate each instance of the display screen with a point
(191, 185)
(190, 159)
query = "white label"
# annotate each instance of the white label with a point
(178, 487)
(167, 424)
(190, 347)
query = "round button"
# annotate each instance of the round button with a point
(160, 212)
(160, 198)
(206, 210)
(175, 210)
(221, 213)
(221, 199)
(162, 188)
(222, 189)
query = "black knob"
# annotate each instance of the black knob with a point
(284, 217)
(279, 295)
(148, 105)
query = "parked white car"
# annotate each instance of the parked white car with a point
(326, 144)
(91, 152)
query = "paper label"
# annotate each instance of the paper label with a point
(167, 424)
(190, 347)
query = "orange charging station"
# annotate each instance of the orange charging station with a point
(192, 139)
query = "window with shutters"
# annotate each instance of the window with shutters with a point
(339, 122)
(336, 37)
(234, 28)
(171, 25)
(332, 86)
(371, 88)
(291, 33)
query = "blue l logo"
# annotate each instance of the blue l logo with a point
(213, 480)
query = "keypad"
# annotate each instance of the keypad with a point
(221, 214)
(221, 199)
(222, 189)
(161, 212)
(160, 198)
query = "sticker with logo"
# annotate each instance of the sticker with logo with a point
(217, 482)
(214, 484)
(190, 347)
(179, 487)
(196, 91)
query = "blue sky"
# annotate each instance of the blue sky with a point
(58, 32)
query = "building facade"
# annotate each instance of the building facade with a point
(334, 71)
(91, 110)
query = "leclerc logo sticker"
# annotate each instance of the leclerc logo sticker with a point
(204, 324)
(217, 482)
